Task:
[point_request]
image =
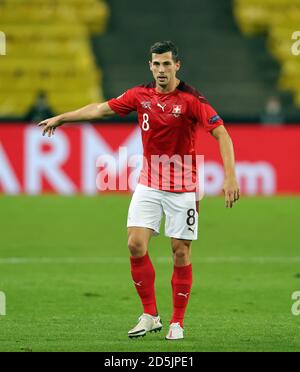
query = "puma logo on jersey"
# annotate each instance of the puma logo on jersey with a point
(139, 284)
(162, 106)
(192, 230)
(183, 294)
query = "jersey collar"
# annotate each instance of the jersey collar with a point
(179, 87)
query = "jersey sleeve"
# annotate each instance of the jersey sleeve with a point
(205, 115)
(125, 103)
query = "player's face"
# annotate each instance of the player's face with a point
(164, 68)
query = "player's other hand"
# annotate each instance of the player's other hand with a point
(50, 125)
(231, 191)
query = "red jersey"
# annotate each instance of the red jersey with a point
(168, 122)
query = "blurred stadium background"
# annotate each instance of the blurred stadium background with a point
(63, 260)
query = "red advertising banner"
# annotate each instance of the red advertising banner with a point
(267, 159)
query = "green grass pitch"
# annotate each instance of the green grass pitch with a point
(68, 287)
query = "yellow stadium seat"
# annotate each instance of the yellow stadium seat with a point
(279, 19)
(49, 49)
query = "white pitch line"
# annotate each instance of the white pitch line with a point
(62, 260)
(161, 260)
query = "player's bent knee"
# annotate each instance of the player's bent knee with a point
(180, 245)
(181, 254)
(136, 247)
(181, 251)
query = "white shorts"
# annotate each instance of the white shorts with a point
(148, 206)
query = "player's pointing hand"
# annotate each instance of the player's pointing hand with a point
(231, 191)
(50, 125)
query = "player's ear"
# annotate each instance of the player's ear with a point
(178, 65)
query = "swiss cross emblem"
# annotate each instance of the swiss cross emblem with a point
(177, 109)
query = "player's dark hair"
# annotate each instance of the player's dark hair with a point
(163, 47)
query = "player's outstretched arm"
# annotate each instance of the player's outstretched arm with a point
(230, 187)
(91, 112)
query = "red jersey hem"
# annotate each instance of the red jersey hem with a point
(168, 190)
